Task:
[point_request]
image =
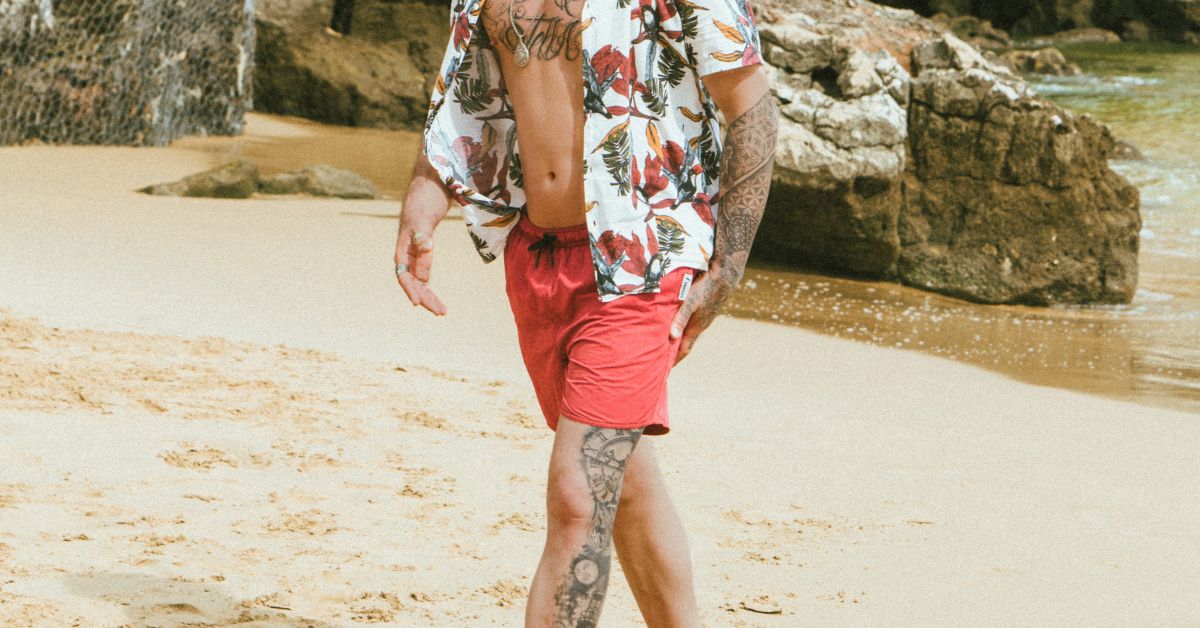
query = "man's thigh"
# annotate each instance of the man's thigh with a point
(587, 467)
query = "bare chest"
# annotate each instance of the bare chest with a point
(549, 29)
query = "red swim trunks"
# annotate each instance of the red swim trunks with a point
(601, 364)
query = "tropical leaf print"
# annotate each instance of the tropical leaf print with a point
(670, 235)
(480, 247)
(514, 162)
(652, 159)
(617, 155)
(731, 33)
(606, 281)
(655, 96)
(594, 86)
(694, 116)
(671, 66)
(475, 94)
(687, 16)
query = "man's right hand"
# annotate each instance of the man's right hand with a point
(414, 247)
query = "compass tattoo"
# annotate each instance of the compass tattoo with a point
(603, 456)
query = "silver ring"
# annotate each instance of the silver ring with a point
(401, 269)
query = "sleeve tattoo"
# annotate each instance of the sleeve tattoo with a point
(746, 162)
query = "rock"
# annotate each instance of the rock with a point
(239, 179)
(380, 76)
(236, 179)
(977, 32)
(1076, 36)
(841, 157)
(961, 180)
(1135, 30)
(1123, 150)
(320, 180)
(1043, 61)
(1009, 199)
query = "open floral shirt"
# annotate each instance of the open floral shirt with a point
(652, 142)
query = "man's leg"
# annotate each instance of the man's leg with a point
(652, 546)
(587, 468)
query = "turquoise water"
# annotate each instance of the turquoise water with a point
(1147, 351)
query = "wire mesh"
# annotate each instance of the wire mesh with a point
(134, 72)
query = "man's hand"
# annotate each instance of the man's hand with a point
(701, 307)
(425, 204)
(414, 248)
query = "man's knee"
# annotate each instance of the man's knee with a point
(569, 504)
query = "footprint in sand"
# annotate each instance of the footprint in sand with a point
(375, 608)
(312, 521)
(197, 458)
(506, 592)
(515, 520)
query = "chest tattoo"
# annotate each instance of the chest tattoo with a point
(550, 28)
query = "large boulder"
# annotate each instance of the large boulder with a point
(236, 179)
(1008, 198)
(320, 180)
(961, 180)
(377, 76)
(841, 79)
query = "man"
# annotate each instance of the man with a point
(582, 139)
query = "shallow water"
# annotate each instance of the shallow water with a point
(1147, 351)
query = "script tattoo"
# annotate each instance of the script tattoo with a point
(547, 34)
(580, 596)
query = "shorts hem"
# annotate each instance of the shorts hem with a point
(652, 428)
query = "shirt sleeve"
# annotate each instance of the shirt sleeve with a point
(725, 36)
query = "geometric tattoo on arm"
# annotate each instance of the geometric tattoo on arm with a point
(580, 596)
(747, 158)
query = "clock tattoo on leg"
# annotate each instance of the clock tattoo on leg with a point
(603, 456)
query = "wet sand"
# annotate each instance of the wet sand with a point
(224, 411)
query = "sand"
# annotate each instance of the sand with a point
(224, 412)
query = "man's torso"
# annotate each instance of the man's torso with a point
(547, 101)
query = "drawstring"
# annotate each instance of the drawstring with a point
(547, 242)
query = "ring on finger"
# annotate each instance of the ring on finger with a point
(401, 269)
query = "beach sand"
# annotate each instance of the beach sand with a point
(225, 412)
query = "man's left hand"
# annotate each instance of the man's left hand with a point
(700, 308)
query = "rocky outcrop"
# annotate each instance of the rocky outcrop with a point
(378, 76)
(977, 32)
(236, 179)
(1009, 198)
(1043, 61)
(1133, 20)
(320, 180)
(240, 179)
(906, 154)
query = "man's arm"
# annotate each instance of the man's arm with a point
(744, 98)
(425, 204)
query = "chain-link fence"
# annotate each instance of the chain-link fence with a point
(140, 72)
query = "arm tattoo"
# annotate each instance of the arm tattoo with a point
(580, 596)
(746, 162)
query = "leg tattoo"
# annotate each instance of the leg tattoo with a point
(580, 596)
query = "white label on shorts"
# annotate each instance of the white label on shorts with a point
(683, 287)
